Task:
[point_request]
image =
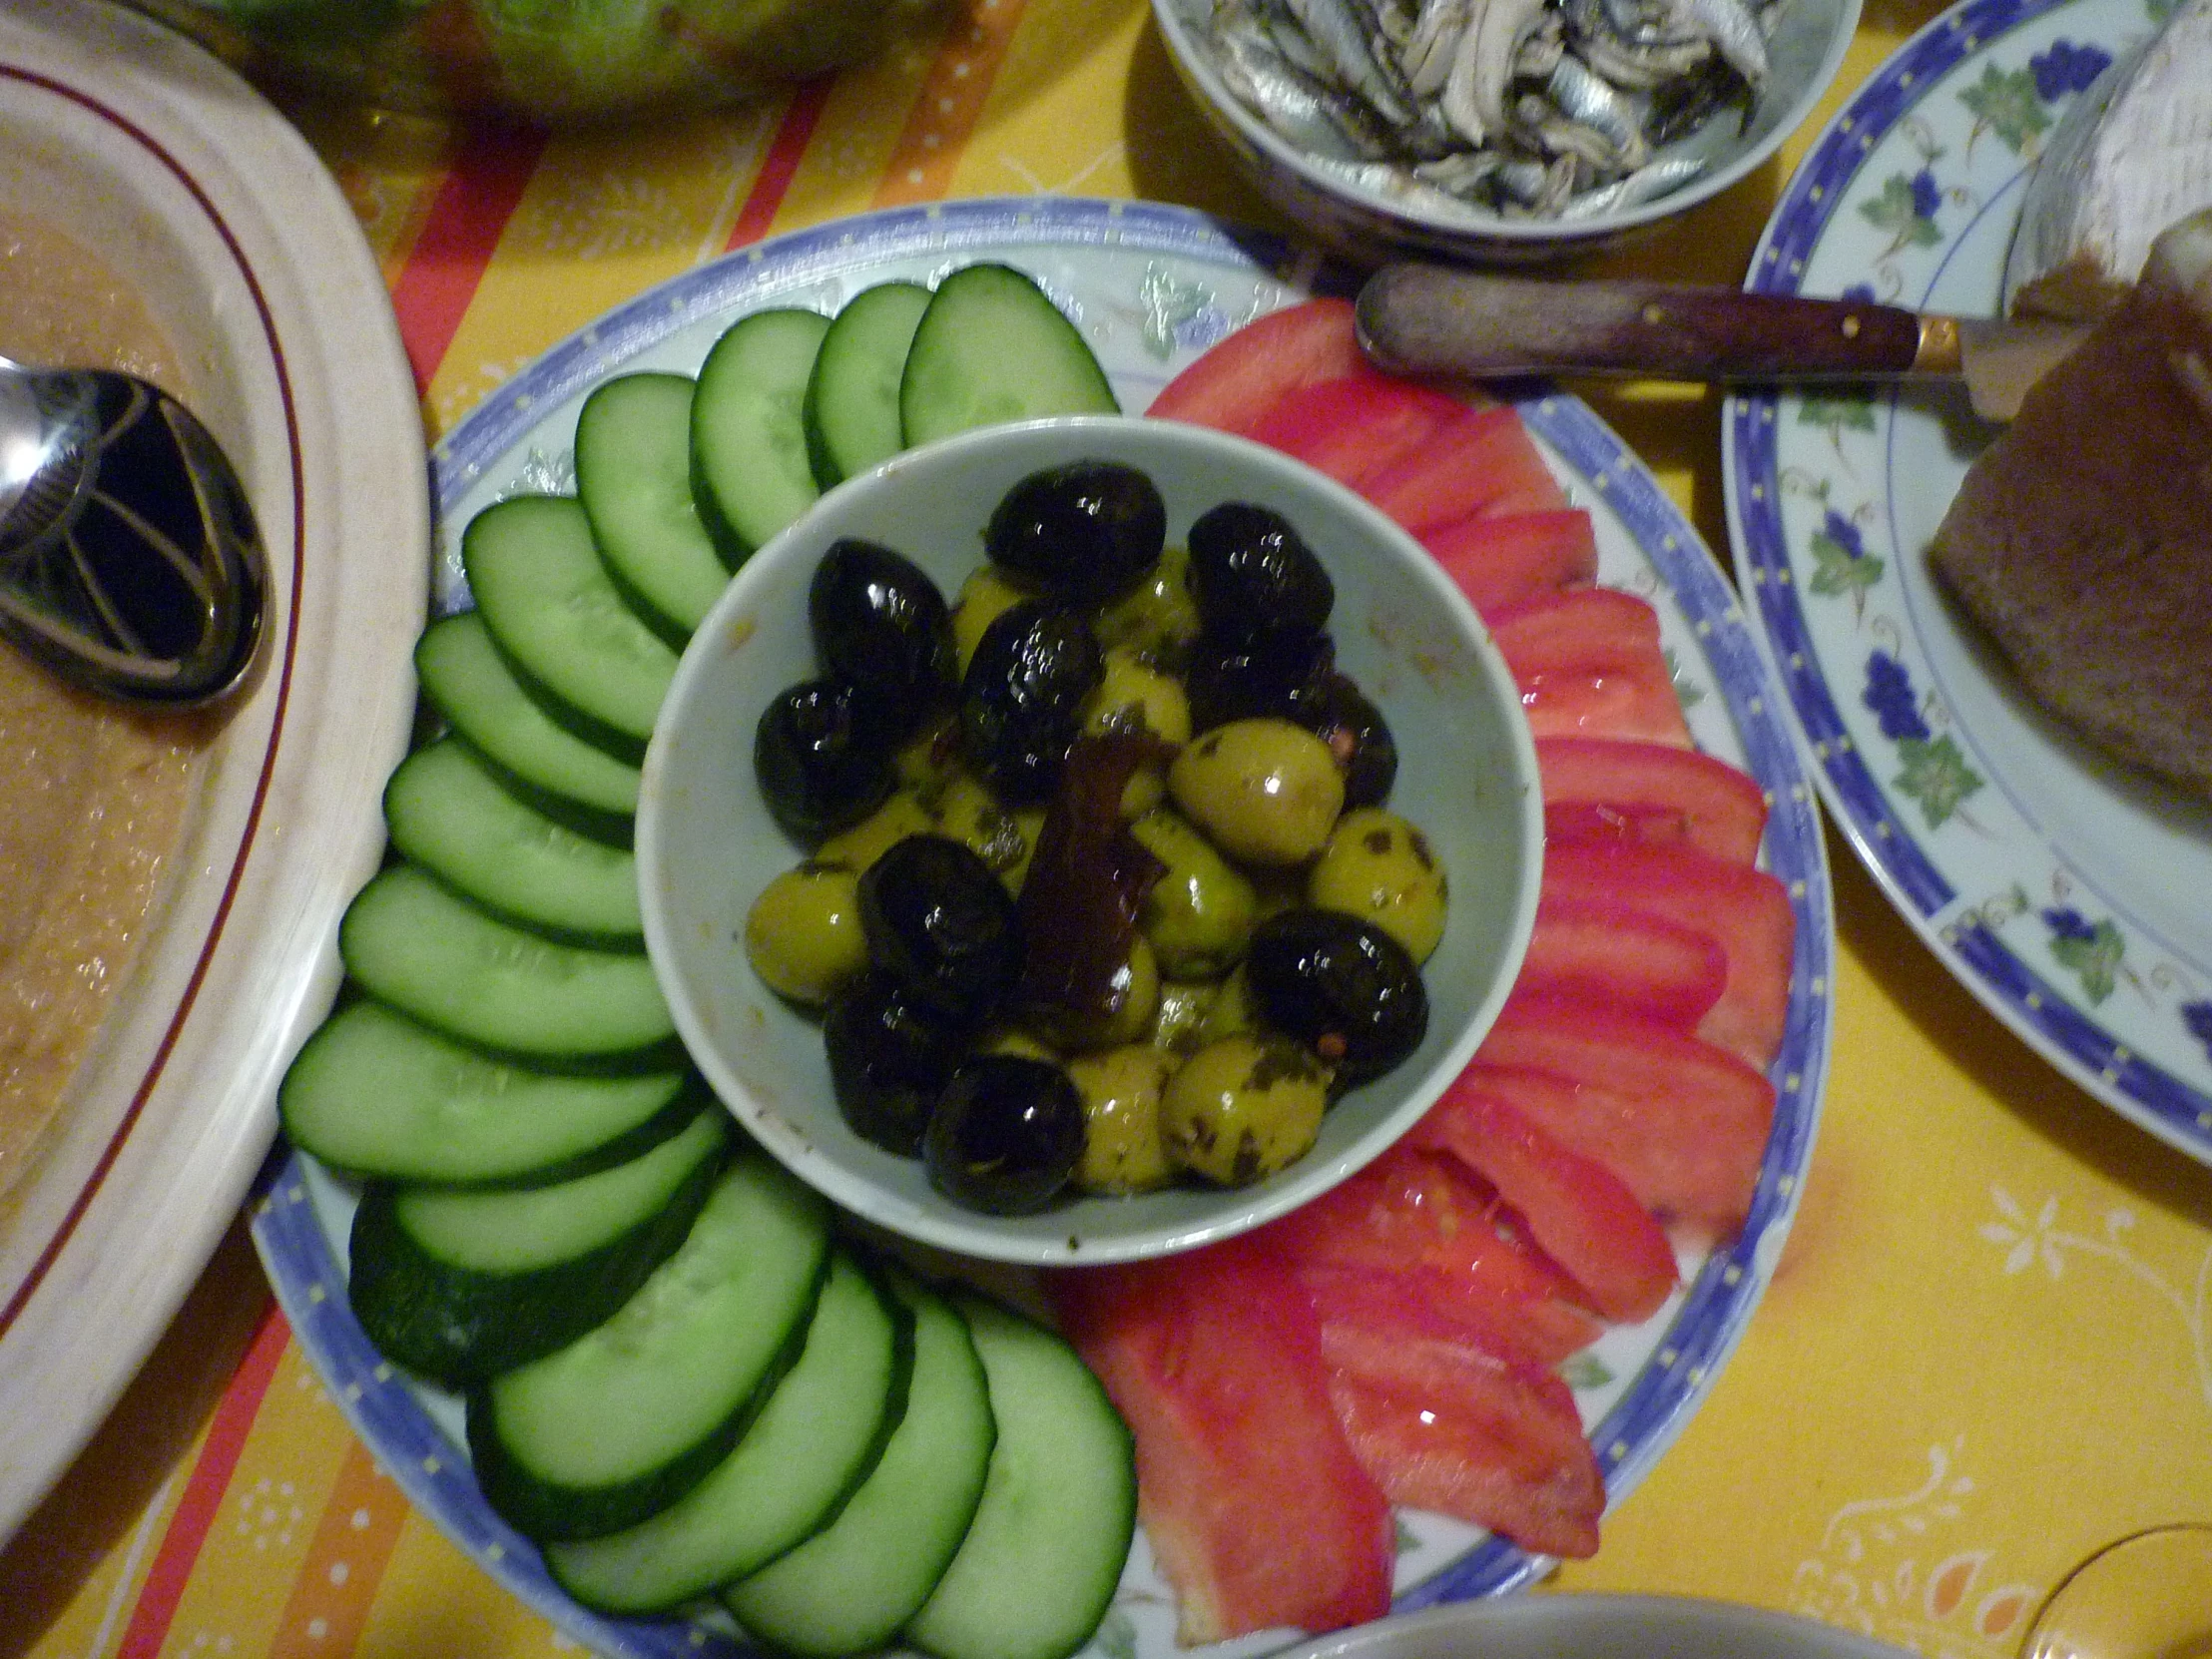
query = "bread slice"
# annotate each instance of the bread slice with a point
(2083, 538)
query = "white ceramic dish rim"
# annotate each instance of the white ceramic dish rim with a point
(1064, 1241)
(285, 330)
(1531, 234)
(1595, 1626)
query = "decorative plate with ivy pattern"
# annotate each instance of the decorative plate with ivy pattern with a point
(2074, 896)
(1151, 288)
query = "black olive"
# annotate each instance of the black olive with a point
(1353, 727)
(882, 627)
(890, 1056)
(1341, 985)
(1280, 676)
(1021, 703)
(1007, 1135)
(1085, 532)
(819, 764)
(1252, 573)
(940, 922)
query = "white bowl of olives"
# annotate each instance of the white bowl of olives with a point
(1084, 840)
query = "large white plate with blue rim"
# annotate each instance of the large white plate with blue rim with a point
(1151, 288)
(2072, 895)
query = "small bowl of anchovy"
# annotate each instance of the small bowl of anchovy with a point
(1500, 129)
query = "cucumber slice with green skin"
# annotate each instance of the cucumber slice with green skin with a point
(990, 348)
(633, 475)
(625, 1419)
(557, 616)
(417, 945)
(849, 1588)
(852, 409)
(814, 1439)
(471, 685)
(448, 811)
(376, 1094)
(1037, 1569)
(459, 1285)
(749, 472)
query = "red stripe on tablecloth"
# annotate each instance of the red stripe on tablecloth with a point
(782, 165)
(204, 1489)
(460, 232)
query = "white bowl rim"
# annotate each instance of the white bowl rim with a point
(1532, 232)
(1243, 1209)
(1600, 1625)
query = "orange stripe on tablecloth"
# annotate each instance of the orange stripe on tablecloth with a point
(457, 238)
(204, 1491)
(345, 1561)
(780, 164)
(946, 115)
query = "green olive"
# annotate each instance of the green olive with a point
(901, 815)
(1121, 1087)
(1242, 1108)
(982, 595)
(1012, 1039)
(969, 812)
(1266, 790)
(802, 934)
(1200, 913)
(1179, 1023)
(1132, 696)
(1381, 868)
(1137, 987)
(1233, 1013)
(1159, 619)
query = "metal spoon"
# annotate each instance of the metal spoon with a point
(128, 559)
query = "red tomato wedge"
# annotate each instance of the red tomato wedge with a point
(1430, 1218)
(1240, 378)
(1746, 910)
(1597, 789)
(1483, 462)
(1588, 664)
(1684, 1124)
(1353, 426)
(1580, 1213)
(1256, 1507)
(1446, 1421)
(1606, 950)
(1497, 560)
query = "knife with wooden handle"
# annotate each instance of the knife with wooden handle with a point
(1426, 319)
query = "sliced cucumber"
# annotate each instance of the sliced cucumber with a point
(461, 1285)
(556, 614)
(448, 811)
(852, 408)
(814, 1439)
(623, 1422)
(434, 955)
(749, 473)
(471, 685)
(849, 1588)
(1038, 1568)
(992, 347)
(378, 1094)
(633, 475)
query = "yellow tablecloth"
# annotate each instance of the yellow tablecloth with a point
(1989, 1347)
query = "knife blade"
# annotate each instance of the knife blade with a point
(1426, 319)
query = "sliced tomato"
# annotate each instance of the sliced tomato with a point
(1588, 664)
(1580, 1212)
(1356, 425)
(1444, 1421)
(1684, 1124)
(1233, 385)
(1428, 1217)
(1484, 462)
(1599, 789)
(1256, 1509)
(1746, 911)
(1499, 559)
(1607, 950)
